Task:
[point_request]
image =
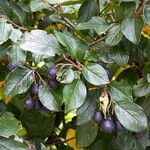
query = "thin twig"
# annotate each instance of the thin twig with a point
(142, 4)
(61, 142)
(65, 19)
(73, 64)
(97, 41)
(40, 78)
(104, 9)
(14, 24)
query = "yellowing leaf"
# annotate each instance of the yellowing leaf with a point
(146, 31)
(60, 26)
(72, 142)
(1, 93)
(7, 99)
(2, 83)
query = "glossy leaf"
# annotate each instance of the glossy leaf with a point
(15, 35)
(18, 11)
(148, 77)
(5, 31)
(9, 125)
(39, 42)
(37, 5)
(10, 144)
(38, 124)
(47, 99)
(86, 111)
(5, 8)
(66, 76)
(86, 134)
(75, 47)
(133, 118)
(120, 56)
(95, 74)
(96, 23)
(131, 28)
(147, 13)
(114, 36)
(18, 81)
(121, 91)
(16, 54)
(142, 88)
(74, 95)
(87, 10)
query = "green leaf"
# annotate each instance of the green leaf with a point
(5, 31)
(86, 111)
(114, 36)
(18, 81)
(16, 54)
(120, 56)
(47, 99)
(121, 91)
(66, 76)
(9, 125)
(86, 134)
(37, 5)
(96, 23)
(5, 8)
(69, 42)
(148, 77)
(104, 52)
(87, 10)
(91, 56)
(124, 10)
(142, 88)
(8, 32)
(131, 28)
(10, 144)
(95, 74)
(15, 35)
(38, 125)
(18, 11)
(39, 42)
(131, 116)
(125, 140)
(75, 47)
(74, 95)
(147, 14)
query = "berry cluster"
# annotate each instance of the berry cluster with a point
(33, 101)
(52, 81)
(107, 125)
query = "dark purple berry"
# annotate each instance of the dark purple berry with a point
(45, 109)
(108, 126)
(38, 104)
(29, 103)
(74, 121)
(52, 71)
(109, 73)
(10, 67)
(138, 135)
(118, 125)
(101, 63)
(98, 117)
(34, 90)
(110, 118)
(53, 83)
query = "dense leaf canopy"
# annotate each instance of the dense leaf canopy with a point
(82, 60)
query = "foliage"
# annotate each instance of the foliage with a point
(66, 58)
